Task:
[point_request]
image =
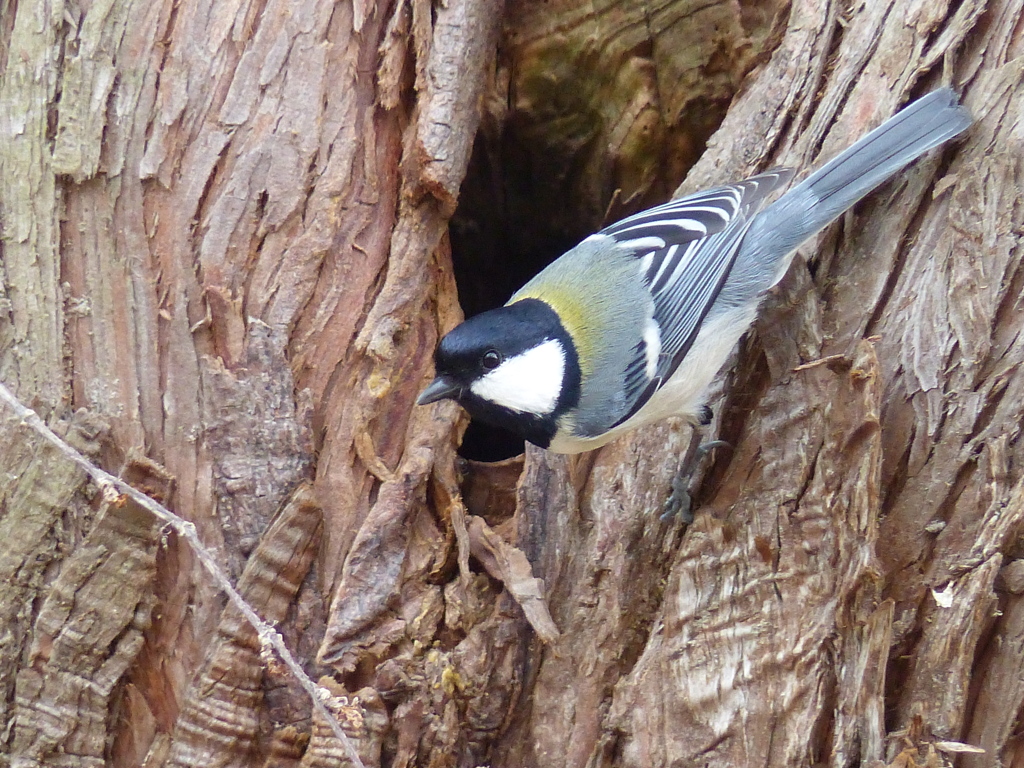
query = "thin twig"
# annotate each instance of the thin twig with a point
(819, 362)
(108, 484)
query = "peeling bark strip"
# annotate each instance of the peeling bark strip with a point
(220, 716)
(510, 566)
(461, 50)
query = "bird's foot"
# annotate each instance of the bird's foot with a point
(679, 501)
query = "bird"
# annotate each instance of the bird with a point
(630, 326)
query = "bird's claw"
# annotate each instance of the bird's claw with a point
(679, 501)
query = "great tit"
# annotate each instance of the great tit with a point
(631, 325)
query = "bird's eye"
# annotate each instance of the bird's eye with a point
(491, 359)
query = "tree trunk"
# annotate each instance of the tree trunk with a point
(226, 264)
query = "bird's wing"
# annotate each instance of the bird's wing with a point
(685, 249)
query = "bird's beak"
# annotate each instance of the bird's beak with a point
(439, 389)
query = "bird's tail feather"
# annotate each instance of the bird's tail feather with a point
(827, 193)
(842, 182)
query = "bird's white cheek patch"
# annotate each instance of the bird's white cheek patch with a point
(530, 382)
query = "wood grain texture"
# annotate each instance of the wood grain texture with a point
(87, 634)
(33, 297)
(37, 527)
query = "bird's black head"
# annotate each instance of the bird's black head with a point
(514, 367)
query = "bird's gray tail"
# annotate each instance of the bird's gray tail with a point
(827, 193)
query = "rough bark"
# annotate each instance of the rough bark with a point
(225, 264)
(834, 600)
